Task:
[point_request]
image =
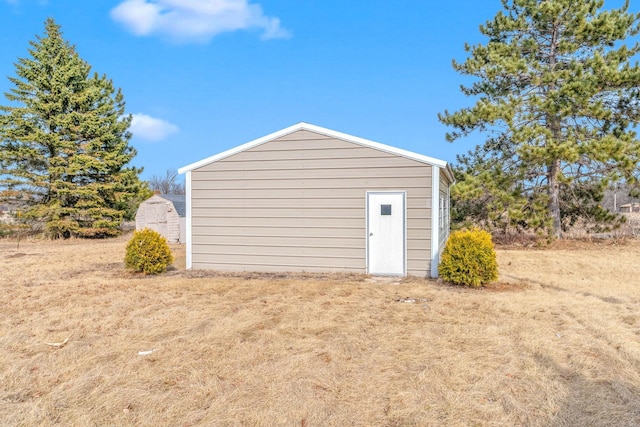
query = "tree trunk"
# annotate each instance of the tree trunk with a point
(554, 199)
(553, 170)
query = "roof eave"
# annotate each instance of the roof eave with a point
(240, 148)
(449, 173)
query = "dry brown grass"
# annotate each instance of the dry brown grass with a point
(556, 343)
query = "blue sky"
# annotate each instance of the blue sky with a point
(202, 76)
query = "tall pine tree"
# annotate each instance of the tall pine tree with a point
(64, 143)
(559, 96)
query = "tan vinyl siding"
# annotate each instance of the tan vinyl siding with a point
(297, 203)
(272, 202)
(311, 173)
(341, 183)
(309, 164)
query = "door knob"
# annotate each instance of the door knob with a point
(370, 234)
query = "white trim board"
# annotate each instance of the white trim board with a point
(435, 221)
(189, 254)
(328, 132)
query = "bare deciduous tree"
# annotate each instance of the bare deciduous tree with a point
(169, 183)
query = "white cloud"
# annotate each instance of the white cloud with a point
(150, 128)
(195, 20)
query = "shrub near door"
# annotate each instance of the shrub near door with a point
(469, 259)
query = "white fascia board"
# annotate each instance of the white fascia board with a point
(241, 148)
(324, 131)
(435, 222)
(448, 171)
(378, 146)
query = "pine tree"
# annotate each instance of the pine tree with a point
(64, 143)
(559, 97)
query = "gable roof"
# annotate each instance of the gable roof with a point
(178, 200)
(323, 131)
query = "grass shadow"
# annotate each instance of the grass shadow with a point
(604, 401)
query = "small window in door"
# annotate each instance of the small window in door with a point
(385, 209)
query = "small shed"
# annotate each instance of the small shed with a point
(5, 214)
(166, 214)
(307, 198)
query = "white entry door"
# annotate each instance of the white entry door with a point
(386, 233)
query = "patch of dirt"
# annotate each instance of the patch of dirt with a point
(254, 275)
(589, 244)
(16, 255)
(566, 244)
(490, 287)
(22, 255)
(505, 287)
(384, 280)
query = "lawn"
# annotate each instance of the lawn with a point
(555, 343)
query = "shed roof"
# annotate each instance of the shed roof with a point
(178, 200)
(323, 131)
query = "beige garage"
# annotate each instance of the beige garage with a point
(307, 198)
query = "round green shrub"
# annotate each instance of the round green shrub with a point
(148, 252)
(469, 259)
